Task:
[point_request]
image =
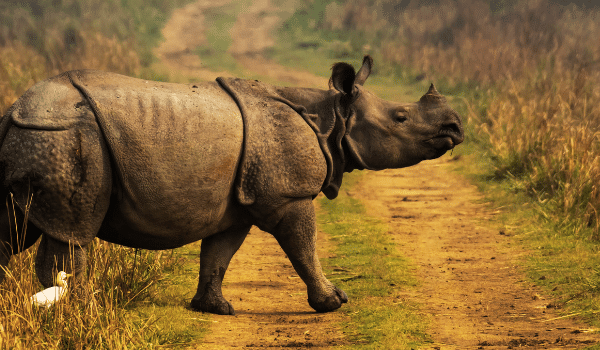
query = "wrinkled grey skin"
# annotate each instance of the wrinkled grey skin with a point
(157, 166)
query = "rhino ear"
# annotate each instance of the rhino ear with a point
(364, 71)
(342, 77)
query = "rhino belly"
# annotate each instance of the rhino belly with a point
(174, 201)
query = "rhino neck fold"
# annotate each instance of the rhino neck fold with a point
(329, 124)
(353, 161)
(318, 108)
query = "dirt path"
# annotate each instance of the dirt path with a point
(470, 286)
(251, 35)
(476, 295)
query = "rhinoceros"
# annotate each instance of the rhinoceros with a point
(157, 165)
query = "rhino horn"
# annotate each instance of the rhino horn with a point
(432, 90)
(364, 71)
(432, 96)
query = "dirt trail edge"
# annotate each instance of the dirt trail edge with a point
(476, 296)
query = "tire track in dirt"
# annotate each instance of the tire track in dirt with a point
(470, 284)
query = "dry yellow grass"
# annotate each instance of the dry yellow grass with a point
(548, 139)
(20, 67)
(94, 317)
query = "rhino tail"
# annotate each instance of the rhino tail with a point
(5, 122)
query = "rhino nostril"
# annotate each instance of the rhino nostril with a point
(451, 128)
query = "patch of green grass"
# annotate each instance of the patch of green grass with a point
(375, 276)
(561, 260)
(303, 41)
(176, 325)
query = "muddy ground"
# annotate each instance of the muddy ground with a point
(470, 285)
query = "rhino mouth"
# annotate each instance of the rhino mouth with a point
(446, 139)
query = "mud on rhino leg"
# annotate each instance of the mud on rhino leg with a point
(215, 255)
(13, 238)
(296, 234)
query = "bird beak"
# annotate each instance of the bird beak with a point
(69, 275)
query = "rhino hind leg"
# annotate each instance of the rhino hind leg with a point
(215, 254)
(14, 236)
(66, 175)
(53, 256)
(296, 234)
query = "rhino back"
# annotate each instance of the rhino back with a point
(175, 150)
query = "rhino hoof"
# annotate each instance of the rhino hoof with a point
(331, 302)
(218, 307)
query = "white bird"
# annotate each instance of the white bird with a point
(49, 296)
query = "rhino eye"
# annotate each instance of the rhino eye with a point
(399, 117)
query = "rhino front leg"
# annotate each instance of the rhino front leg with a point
(215, 254)
(296, 234)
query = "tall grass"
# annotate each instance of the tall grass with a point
(546, 137)
(97, 315)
